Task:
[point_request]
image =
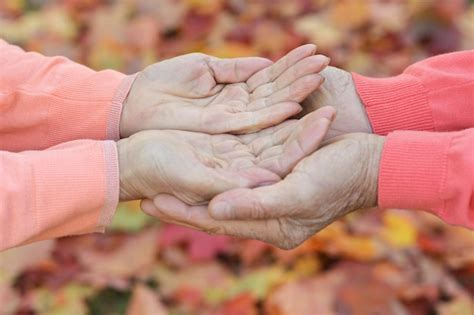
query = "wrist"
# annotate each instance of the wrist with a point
(125, 123)
(375, 146)
(339, 91)
(358, 108)
(124, 171)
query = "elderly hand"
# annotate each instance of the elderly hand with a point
(194, 167)
(201, 93)
(333, 181)
(338, 91)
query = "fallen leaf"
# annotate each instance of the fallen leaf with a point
(66, 301)
(135, 255)
(243, 304)
(398, 231)
(463, 305)
(18, 259)
(129, 217)
(145, 302)
(309, 296)
(200, 245)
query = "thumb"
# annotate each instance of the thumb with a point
(224, 180)
(260, 203)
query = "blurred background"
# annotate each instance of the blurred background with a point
(372, 262)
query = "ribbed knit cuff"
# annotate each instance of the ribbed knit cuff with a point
(76, 188)
(396, 103)
(413, 170)
(115, 111)
(112, 187)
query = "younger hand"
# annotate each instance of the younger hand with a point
(197, 92)
(194, 167)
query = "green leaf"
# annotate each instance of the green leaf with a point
(110, 302)
(129, 218)
(68, 300)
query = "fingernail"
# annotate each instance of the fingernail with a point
(327, 61)
(222, 209)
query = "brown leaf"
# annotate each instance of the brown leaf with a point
(16, 260)
(361, 287)
(306, 297)
(135, 255)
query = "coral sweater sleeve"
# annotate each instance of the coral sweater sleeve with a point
(425, 167)
(45, 101)
(65, 189)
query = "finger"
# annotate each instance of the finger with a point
(295, 92)
(297, 129)
(305, 142)
(218, 180)
(147, 206)
(252, 177)
(247, 122)
(169, 209)
(267, 202)
(236, 69)
(174, 210)
(309, 65)
(271, 73)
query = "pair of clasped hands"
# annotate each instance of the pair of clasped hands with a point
(211, 144)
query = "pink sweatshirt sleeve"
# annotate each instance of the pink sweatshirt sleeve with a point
(436, 94)
(68, 189)
(432, 171)
(45, 101)
(420, 168)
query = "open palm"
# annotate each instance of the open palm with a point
(201, 93)
(194, 167)
(321, 188)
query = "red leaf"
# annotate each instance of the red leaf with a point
(200, 246)
(243, 304)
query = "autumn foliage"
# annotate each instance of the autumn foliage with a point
(373, 262)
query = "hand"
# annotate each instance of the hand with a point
(335, 180)
(194, 167)
(339, 92)
(201, 93)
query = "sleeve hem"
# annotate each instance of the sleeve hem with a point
(396, 103)
(112, 186)
(413, 171)
(115, 112)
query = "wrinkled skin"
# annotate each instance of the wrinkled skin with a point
(201, 93)
(338, 91)
(195, 167)
(331, 182)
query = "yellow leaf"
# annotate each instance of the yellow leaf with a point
(398, 231)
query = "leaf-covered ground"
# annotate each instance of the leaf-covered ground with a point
(372, 262)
